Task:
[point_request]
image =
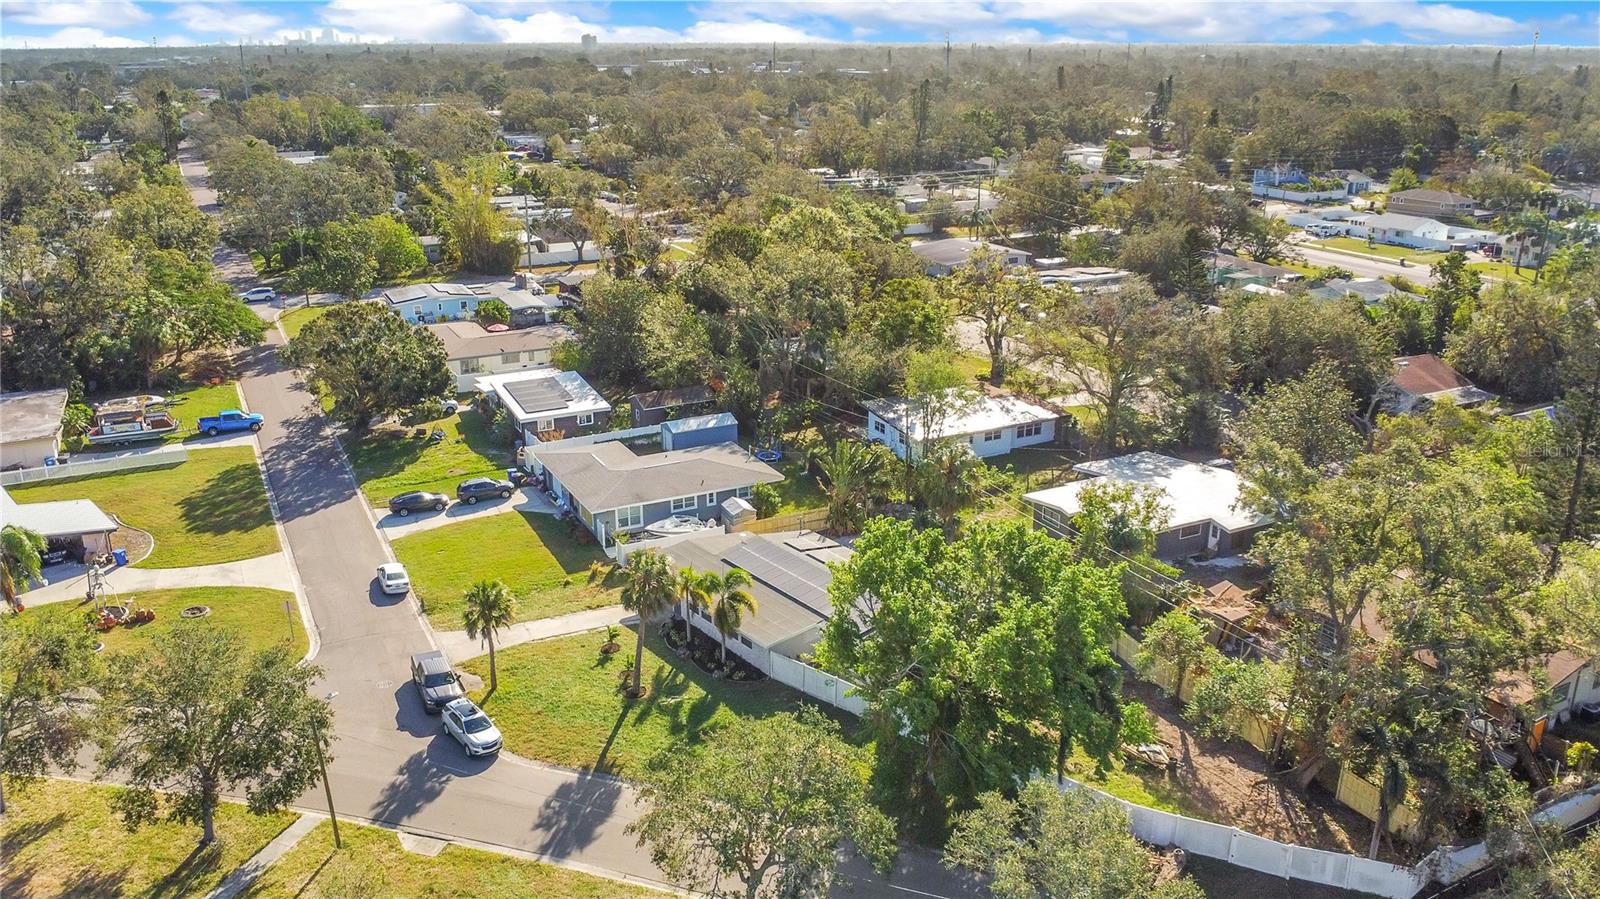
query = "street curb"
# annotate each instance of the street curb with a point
(307, 622)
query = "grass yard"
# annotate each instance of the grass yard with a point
(1136, 783)
(255, 613)
(1505, 271)
(1357, 245)
(373, 863)
(389, 460)
(212, 508)
(536, 556)
(295, 319)
(62, 838)
(187, 405)
(799, 489)
(973, 365)
(559, 701)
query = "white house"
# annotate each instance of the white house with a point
(545, 400)
(473, 351)
(990, 425)
(941, 257)
(1421, 233)
(30, 426)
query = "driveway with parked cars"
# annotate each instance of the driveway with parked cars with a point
(522, 499)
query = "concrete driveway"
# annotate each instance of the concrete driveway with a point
(526, 499)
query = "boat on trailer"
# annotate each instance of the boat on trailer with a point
(679, 524)
(130, 420)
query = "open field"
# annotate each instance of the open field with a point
(63, 838)
(212, 508)
(1357, 245)
(536, 555)
(1505, 271)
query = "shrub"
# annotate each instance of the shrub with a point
(765, 499)
(494, 311)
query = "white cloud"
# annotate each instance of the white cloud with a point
(74, 36)
(216, 19)
(411, 20)
(100, 13)
(446, 22)
(751, 31)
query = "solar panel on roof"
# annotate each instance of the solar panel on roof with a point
(800, 579)
(539, 394)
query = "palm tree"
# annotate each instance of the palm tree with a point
(694, 592)
(648, 589)
(731, 600)
(947, 478)
(852, 471)
(490, 608)
(21, 559)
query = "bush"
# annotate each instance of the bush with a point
(494, 311)
(765, 499)
(424, 412)
(1581, 756)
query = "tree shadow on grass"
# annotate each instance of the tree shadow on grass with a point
(20, 838)
(200, 862)
(231, 502)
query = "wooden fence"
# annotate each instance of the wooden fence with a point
(804, 520)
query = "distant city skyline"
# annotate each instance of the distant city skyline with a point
(133, 23)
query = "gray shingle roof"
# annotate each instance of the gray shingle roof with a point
(609, 475)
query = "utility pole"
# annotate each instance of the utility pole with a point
(947, 57)
(242, 76)
(1534, 56)
(322, 764)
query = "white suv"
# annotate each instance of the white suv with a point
(393, 579)
(471, 727)
(259, 295)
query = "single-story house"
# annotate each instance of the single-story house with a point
(1292, 184)
(992, 425)
(657, 406)
(1571, 676)
(531, 306)
(1422, 380)
(1103, 183)
(941, 257)
(301, 157)
(1355, 182)
(422, 303)
(1370, 290)
(1321, 215)
(542, 401)
(474, 350)
(1422, 233)
(1228, 270)
(72, 528)
(614, 490)
(790, 579)
(1431, 203)
(432, 248)
(1205, 516)
(30, 426)
(1085, 278)
(538, 251)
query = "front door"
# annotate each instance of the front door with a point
(1212, 539)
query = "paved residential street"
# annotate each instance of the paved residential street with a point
(392, 762)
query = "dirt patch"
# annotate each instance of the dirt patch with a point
(1232, 784)
(136, 542)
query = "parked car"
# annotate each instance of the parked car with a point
(473, 489)
(471, 727)
(451, 405)
(436, 683)
(259, 295)
(393, 579)
(229, 420)
(418, 501)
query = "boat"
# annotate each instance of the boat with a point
(129, 420)
(678, 524)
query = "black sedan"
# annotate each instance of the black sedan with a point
(418, 501)
(474, 489)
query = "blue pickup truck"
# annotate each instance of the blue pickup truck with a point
(229, 420)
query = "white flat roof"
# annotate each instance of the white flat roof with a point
(62, 518)
(574, 393)
(973, 414)
(1192, 492)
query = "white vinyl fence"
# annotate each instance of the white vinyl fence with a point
(149, 457)
(816, 684)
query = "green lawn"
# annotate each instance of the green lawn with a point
(1136, 783)
(212, 508)
(973, 365)
(535, 554)
(373, 863)
(1357, 245)
(799, 489)
(295, 319)
(1505, 271)
(187, 405)
(255, 613)
(559, 701)
(389, 460)
(63, 839)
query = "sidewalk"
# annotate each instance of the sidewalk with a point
(241, 878)
(270, 571)
(459, 647)
(526, 499)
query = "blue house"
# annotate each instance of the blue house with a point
(425, 303)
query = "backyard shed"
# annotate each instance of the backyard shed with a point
(702, 430)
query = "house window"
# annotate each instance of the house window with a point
(877, 426)
(586, 418)
(545, 424)
(710, 499)
(510, 358)
(1048, 515)
(1216, 532)
(746, 641)
(1032, 429)
(991, 436)
(1189, 532)
(1558, 694)
(742, 493)
(540, 357)
(630, 517)
(471, 366)
(684, 503)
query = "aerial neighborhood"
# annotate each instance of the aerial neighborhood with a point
(475, 449)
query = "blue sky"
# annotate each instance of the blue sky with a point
(107, 23)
